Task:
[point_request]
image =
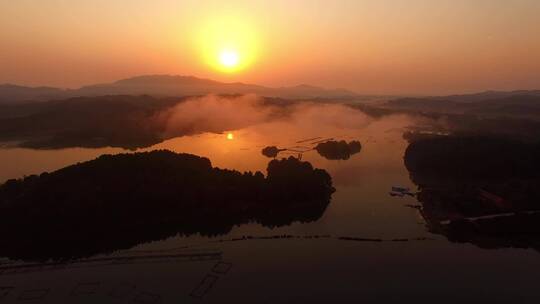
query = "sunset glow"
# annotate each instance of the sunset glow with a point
(307, 151)
(228, 44)
(373, 47)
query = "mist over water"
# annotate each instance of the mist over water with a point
(216, 114)
(212, 113)
(198, 125)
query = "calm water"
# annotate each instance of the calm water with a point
(300, 268)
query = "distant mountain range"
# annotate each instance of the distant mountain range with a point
(181, 86)
(165, 86)
(10, 93)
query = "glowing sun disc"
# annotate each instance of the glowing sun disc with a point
(229, 58)
(228, 44)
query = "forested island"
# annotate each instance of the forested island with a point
(336, 150)
(118, 201)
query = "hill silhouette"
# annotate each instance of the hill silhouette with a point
(118, 121)
(10, 93)
(520, 104)
(118, 201)
(478, 190)
(166, 86)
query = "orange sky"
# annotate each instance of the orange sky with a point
(381, 47)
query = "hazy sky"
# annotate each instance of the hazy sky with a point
(379, 46)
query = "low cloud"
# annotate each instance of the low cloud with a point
(218, 114)
(215, 114)
(335, 115)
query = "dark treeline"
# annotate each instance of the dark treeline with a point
(463, 177)
(118, 201)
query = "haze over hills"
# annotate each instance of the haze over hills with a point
(515, 103)
(179, 86)
(166, 86)
(10, 93)
(486, 95)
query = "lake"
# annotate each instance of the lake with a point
(367, 245)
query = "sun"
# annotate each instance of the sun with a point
(228, 44)
(230, 136)
(229, 58)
